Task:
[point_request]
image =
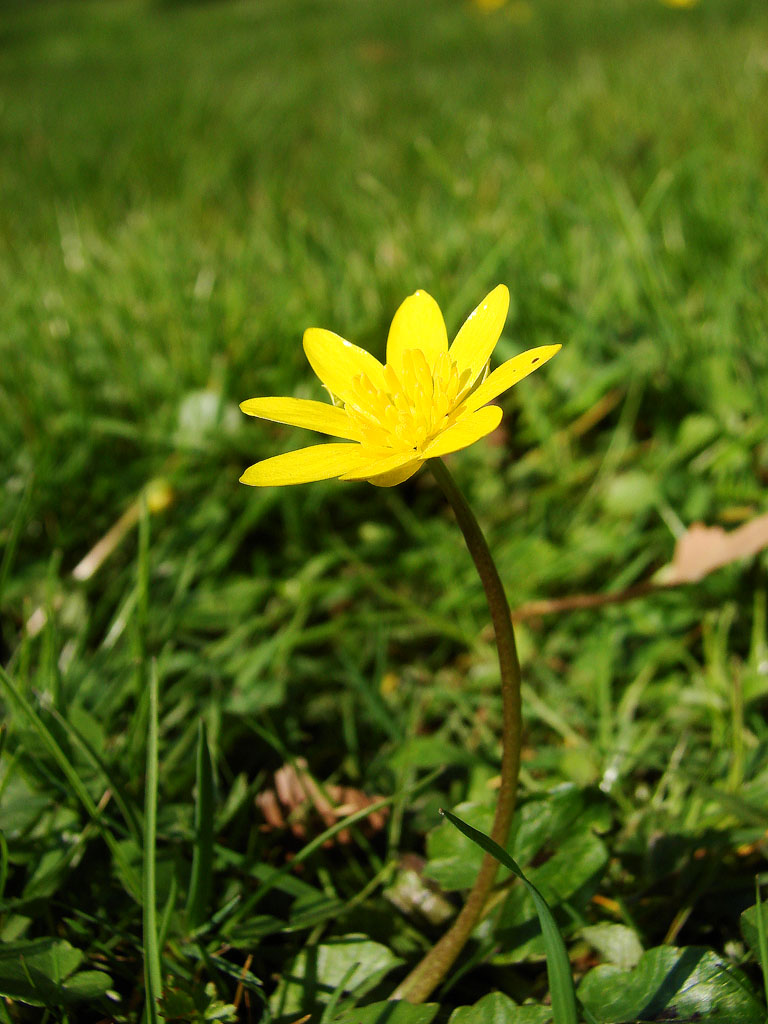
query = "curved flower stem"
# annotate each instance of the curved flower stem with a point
(430, 971)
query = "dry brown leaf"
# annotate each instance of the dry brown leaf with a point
(702, 549)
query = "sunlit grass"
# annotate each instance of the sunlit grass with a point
(186, 188)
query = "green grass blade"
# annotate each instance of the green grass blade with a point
(3, 864)
(138, 727)
(153, 974)
(762, 937)
(142, 581)
(118, 792)
(68, 770)
(12, 540)
(199, 896)
(558, 966)
(341, 988)
(167, 914)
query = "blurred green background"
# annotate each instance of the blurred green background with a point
(185, 188)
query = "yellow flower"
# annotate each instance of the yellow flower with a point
(426, 401)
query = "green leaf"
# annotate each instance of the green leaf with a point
(749, 923)
(22, 806)
(352, 961)
(693, 982)
(427, 752)
(496, 1008)
(86, 985)
(545, 821)
(754, 926)
(558, 966)
(42, 972)
(616, 943)
(390, 1012)
(762, 937)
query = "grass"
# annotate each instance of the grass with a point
(186, 188)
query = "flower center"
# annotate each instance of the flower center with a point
(417, 403)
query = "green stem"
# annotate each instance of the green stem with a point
(430, 971)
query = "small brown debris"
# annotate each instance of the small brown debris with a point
(302, 805)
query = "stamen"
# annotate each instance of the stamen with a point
(416, 403)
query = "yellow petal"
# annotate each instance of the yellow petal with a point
(464, 433)
(374, 467)
(300, 412)
(320, 462)
(336, 362)
(509, 373)
(418, 323)
(477, 338)
(397, 476)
